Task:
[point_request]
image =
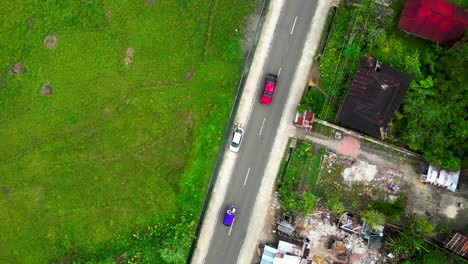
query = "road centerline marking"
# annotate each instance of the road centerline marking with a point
(279, 71)
(292, 29)
(261, 129)
(246, 176)
(230, 229)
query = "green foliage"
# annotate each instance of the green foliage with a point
(432, 257)
(303, 149)
(290, 201)
(335, 206)
(295, 187)
(164, 241)
(309, 202)
(314, 100)
(420, 227)
(462, 3)
(442, 227)
(410, 240)
(392, 211)
(304, 203)
(352, 51)
(436, 256)
(373, 217)
(407, 244)
(435, 111)
(176, 243)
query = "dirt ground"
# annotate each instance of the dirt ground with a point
(431, 202)
(375, 174)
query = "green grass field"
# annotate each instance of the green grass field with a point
(112, 147)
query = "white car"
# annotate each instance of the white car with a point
(236, 139)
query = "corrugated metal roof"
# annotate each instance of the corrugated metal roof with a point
(459, 245)
(376, 92)
(436, 20)
(443, 178)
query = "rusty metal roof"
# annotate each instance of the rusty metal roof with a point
(375, 94)
(459, 245)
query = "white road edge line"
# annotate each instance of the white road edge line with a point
(279, 71)
(261, 129)
(230, 229)
(246, 176)
(292, 29)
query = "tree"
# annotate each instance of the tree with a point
(435, 113)
(392, 211)
(421, 227)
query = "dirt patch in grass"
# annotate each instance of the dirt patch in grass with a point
(149, 3)
(31, 21)
(51, 41)
(46, 90)
(121, 258)
(17, 69)
(188, 120)
(108, 15)
(314, 76)
(188, 76)
(129, 57)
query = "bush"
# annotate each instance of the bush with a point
(410, 241)
(392, 211)
(373, 217)
(335, 206)
(309, 203)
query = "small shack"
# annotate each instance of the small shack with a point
(376, 92)
(285, 253)
(304, 119)
(285, 227)
(441, 177)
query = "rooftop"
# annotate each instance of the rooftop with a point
(375, 94)
(436, 20)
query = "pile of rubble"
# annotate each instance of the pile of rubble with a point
(361, 171)
(331, 244)
(317, 227)
(355, 244)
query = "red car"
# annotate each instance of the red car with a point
(270, 84)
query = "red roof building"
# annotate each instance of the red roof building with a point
(435, 20)
(304, 120)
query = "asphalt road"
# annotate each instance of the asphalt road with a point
(260, 131)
